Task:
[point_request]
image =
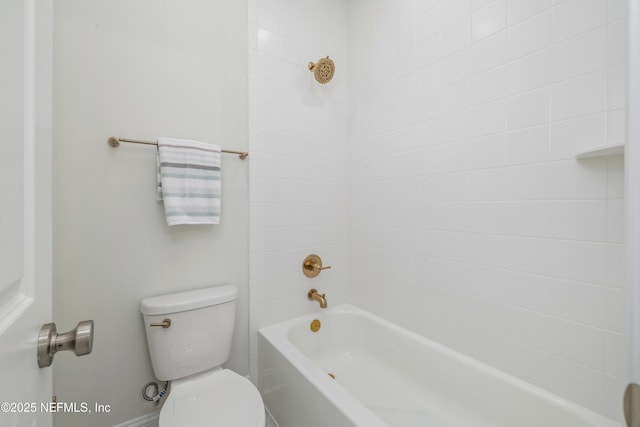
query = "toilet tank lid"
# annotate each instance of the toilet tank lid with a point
(189, 300)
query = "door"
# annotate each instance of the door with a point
(25, 208)
(632, 185)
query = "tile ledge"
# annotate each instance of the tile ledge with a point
(603, 151)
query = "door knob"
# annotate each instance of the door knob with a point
(79, 340)
(631, 405)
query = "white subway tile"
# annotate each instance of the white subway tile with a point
(455, 157)
(455, 97)
(404, 62)
(580, 55)
(615, 177)
(268, 41)
(488, 119)
(518, 10)
(429, 24)
(453, 128)
(456, 67)
(573, 301)
(456, 36)
(429, 78)
(479, 4)
(530, 35)
(615, 354)
(405, 35)
(577, 343)
(614, 388)
(615, 265)
(488, 184)
(615, 319)
(579, 96)
(617, 87)
(573, 17)
(404, 14)
(489, 20)
(529, 72)
(405, 88)
(425, 6)
(528, 109)
(558, 375)
(528, 146)
(617, 9)
(428, 51)
(615, 221)
(616, 127)
(453, 11)
(490, 86)
(489, 53)
(570, 180)
(384, 25)
(564, 180)
(572, 136)
(617, 42)
(571, 220)
(453, 186)
(252, 35)
(487, 152)
(267, 15)
(289, 49)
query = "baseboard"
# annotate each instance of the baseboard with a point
(271, 422)
(149, 420)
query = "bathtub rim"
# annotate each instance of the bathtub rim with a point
(278, 336)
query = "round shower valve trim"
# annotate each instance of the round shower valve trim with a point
(312, 266)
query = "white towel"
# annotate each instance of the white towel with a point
(189, 181)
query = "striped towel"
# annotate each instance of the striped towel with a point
(189, 181)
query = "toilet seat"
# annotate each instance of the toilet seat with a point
(219, 397)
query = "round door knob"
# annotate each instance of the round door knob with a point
(79, 340)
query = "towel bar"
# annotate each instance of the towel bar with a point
(114, 141)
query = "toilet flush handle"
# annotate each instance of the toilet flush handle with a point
(164, 324)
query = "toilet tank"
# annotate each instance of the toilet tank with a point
(199, 337)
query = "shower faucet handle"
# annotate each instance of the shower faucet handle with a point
(312, 266)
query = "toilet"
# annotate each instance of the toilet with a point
(189, 336)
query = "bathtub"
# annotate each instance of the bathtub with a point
(387, 376)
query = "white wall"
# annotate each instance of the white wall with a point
(298, 143)
(140, 70)
(470, 221)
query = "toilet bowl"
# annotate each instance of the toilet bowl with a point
(189, 337)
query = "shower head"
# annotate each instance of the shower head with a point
(323, 70)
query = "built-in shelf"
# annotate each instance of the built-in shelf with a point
(609, 150)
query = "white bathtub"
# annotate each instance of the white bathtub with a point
(388, 376)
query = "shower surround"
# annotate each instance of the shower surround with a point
(461, 209)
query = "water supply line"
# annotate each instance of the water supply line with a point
(152, 392)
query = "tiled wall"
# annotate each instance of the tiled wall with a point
(470, 221)
(298, 143)
(442, 166)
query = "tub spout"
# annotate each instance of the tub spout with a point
(314, 295)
